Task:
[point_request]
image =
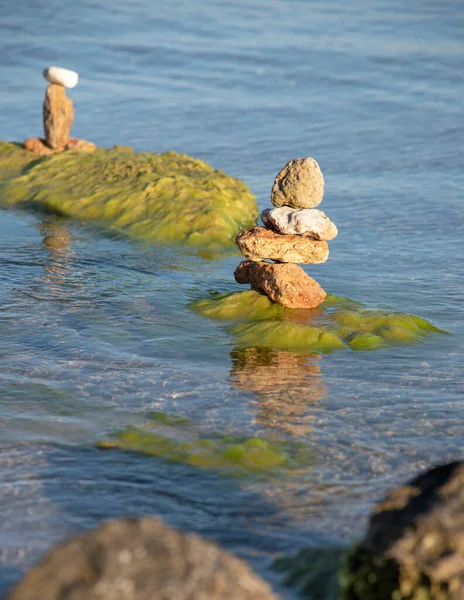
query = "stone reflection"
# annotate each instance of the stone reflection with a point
(58, 242)
(285, 384)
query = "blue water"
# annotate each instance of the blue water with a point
(95, 329)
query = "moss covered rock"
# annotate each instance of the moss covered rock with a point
(168, 198)
(336, 324)
(233, 455)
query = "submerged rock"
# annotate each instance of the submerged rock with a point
(337, 323)
(259, 243)
(140, 559)
(231, 455)
(286, 284)
(58, 117)
(168, 198)
(300, 184)
(414, 546)
(310, 222)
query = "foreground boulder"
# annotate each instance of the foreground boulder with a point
(259, 243)
(300, 184)
(286, 284)
(310, 222)
(140, 559)
(414, 546)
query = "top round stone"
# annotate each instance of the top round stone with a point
(61, 76)
(300, 184)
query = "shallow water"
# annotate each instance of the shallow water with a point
(95, 330)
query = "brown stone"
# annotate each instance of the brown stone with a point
(300, 184)
(80, 145)
(140, 559)
(58, 116)
(38, 146)
(259, 243)
(414, 546)
(284, 283)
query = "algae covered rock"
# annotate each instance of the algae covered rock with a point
(230, 454)
(140, 559)
(168, 198)
(414, 546)
(337, 323)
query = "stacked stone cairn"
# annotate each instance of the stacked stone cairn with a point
(58, 116)
(294, 232)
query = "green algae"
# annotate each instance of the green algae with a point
(169, 198)
(313, 572)
(338, 323)
(232, 455)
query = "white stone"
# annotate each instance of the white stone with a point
(306, 221)
(61, 76)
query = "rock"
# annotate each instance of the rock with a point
(286, 284)
(259, 243)
(300, 184)
(60, 76)
(140, 559)
(80, 145)
(414, 546)
(38, 146)
(310, 222)
(160, 198)
(58, 116)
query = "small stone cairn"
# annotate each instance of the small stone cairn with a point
(58, 116)
(293, 232)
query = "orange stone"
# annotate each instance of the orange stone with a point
(285, 283)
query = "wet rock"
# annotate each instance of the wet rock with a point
(170, 198)
(259, 243)
(60, 76)
(286, 284)
(307, 221)
(414, 546)
(300, 184)
(58, 117)
(140, 559)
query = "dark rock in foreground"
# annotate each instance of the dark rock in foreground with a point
(414, 547)
(140, 559)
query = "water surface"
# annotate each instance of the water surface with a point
(95, 330)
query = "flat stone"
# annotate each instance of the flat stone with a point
(310, 222)
(58, 117)
(286, 284)
(140, 559)
(39, 147)
(300, 184)
(60, 76)
(259, 243)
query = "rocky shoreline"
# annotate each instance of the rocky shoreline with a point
(413, 550)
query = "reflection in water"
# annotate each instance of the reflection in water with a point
(57, 240)
(284, 383)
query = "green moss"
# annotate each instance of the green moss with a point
(338, 323)
(168, 198)
(233, 455)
